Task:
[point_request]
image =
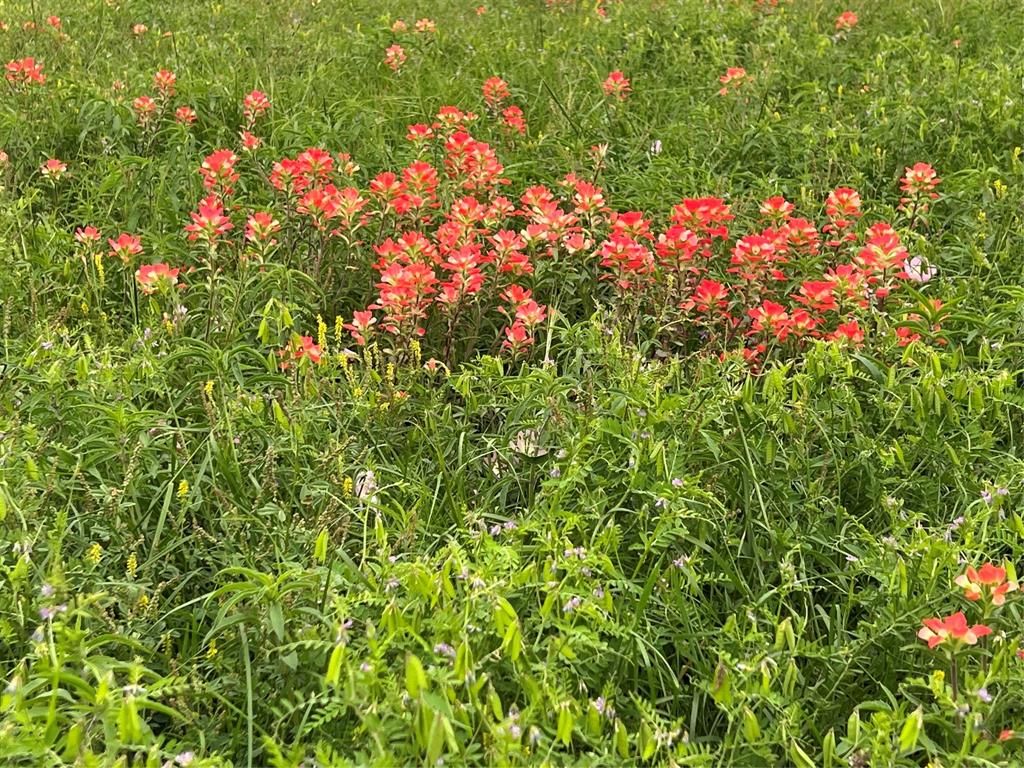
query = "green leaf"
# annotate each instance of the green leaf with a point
(334, 665)
(320, 549)
(275, 612)
(279, 415)
(436, 738)
(621, 740)
(800, 758)
(415, 676)
(751, 728)
(566, 723)
(911, 731)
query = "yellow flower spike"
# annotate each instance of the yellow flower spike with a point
(132, 567)
(183, 489)
(346, 486)
(95, 553)
(208, 389)
(339, 329)
(211, 651)
(321, 333)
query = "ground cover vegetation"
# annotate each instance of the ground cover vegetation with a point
(525, 383)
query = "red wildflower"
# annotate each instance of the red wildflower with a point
(473, 162)
(617, 85)
(87, 235)
(145, 108)
(627, 259)
(53, 169)
(164, 81)
(776, 208)
(404, 297)
(990, 579)
(704, 215)
(315, 165)
(419, 132)
(905, 335)
(918, 184)
(185, 115)
(218, 171)
(394, 56)
(770, 317)
(250, 142)
(209, 224)
(125, 246)
(452, 117)
(842, 207)
(153, 277)
(631, 223)
(676, 248)
(254, 105)
(495, 92)
(842, 203)
(361, 326)
(733, 78)
(846, 21)
(507, 253)
(299, 348)
(467, 278)
(752, 256)
(512, 117)
(953, 628)
(708, 295)
(848, 332)
(817, 295)
(261, 227)
(882, 253)
(801, 235)
(25, 71)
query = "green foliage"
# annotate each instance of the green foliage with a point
(614, 555)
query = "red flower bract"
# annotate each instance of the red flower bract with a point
(846, 21)
(617, 86)
(218, 171)
(952, 629)
(209, 224)
(25, 71)
(151, 277)
(990, 579)
(495, 92)
(298, 349)
(125, 246)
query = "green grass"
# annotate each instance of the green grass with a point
(625, 545)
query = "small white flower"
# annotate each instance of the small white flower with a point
(919, 270)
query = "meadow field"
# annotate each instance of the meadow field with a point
(511, 383)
